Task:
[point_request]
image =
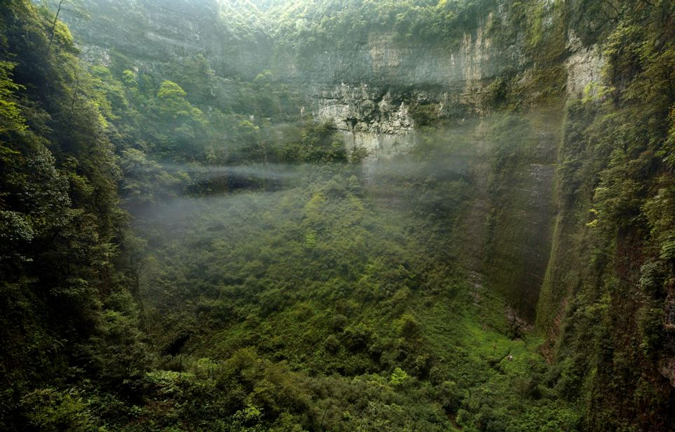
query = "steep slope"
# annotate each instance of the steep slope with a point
(61, 230)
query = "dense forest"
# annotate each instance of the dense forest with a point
(337, 215)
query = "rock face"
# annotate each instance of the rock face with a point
(374, 119)
(584, 67)
(386, 59)
(154, 33)
(367, 90)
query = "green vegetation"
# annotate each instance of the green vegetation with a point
(614, 188)
(183, 247)
(308, 25)
(60, 222)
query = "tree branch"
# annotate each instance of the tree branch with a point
(56, 19)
